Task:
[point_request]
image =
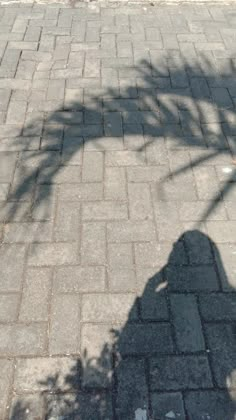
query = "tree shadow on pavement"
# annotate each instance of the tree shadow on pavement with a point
(173, 359)
(174, 105)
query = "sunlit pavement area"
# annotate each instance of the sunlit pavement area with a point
(117, 212)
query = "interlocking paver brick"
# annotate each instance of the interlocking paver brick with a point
(178, 372)
(187, 323)
(9, 307)
(78, 279)
(131, 231)
(139, 201)
(31, 373)
(101, 307)
(11, 275)
(20, 339)
(105, 210)
(169, 403)
(36, 291)
(58, 253)
(216, 404)
(93, 243)
(6, 377)
(64, 324)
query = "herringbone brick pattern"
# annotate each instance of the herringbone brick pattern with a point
(117, 212)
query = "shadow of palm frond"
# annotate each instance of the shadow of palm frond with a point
(175, 104)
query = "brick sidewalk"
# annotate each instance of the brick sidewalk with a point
(117, 212)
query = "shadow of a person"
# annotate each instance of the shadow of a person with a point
(177, 359)
(173, 359)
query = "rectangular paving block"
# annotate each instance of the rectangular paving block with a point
(187, 323)
(9, 304)
(221, 343)
(8, 161)
(189, 211)
(121, 279)
(66, 226)
(78, 279)
(145, 339)
(92, 169)
(132, 389)
(105, 210)
(34, 403)
(28, 232)
(124, 158)
(120, 255)
(36, 291)
(11, 274)
(81, 192)
(22, 340)
(112, 307)
(64, 324)
(97, 341)
(131, 231)
(190, 279)
(140, 206)
(114, 183)
(167, 404)
(217, 307)
(180, 372)
(222, 232)
(93, 243)
(33, 375)
(217, 404)
(147, 173)
(52, 254)
(6, 367)
(60, 175)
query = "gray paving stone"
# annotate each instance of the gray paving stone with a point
(9, 304)
(176, 373)
(6, 378)
(145, 339)
(105, 210)
(213, 404)
(33, 374)
(97, 341)
(139, 201)
(36, 293)
(11, 275)
(114, 183)
(64, 324)
(132, 389)
(52, 254)
(222, 232)
(92, 170)
(28, 232)
(20, 339)
(217, 307)
(167, 405)
(100, 307)
(93, 243)
(81, 192)
(66, 226)
(32, 404)
(199, 278)
(187, 323)
(129, 231)
(221, 341)
(78, 279)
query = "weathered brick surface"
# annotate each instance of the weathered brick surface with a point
(117, 211)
